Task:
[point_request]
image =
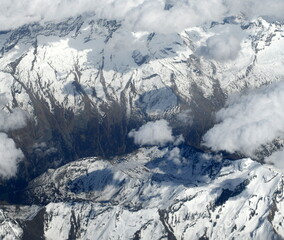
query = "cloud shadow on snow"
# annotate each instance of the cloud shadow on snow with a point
(95, 181)
(190, 168)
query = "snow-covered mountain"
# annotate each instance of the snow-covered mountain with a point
(85, 83)
(154, 193)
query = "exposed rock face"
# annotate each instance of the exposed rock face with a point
(86, 83)
(148, 195)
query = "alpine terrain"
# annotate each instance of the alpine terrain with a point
(109, 132)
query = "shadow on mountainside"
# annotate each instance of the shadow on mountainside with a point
(94, 181)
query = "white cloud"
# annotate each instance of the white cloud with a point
(276, 159)
(149, 15)
(225, 45)
(153, 133)
(10, 156)
(14, 120)
(175, 156)
(249, 121)
(253, 9)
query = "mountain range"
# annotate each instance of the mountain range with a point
(73, 91)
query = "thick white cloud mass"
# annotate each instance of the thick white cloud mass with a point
(225, 45)
(153, 133)
(9, 156)
(249, 121)
(150, 15)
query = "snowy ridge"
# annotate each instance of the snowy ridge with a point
(86, 82)
(100, 60)
(174, 193)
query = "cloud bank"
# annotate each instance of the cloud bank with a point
(249, 121)
(149, 15)
(153, 133)
(10, 155)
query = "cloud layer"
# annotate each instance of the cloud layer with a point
(149, 15)
(153, 133)
(249, 121)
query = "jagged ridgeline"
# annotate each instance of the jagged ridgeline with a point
(85, 83)
(153, 193)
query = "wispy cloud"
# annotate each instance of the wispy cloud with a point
(14, 120)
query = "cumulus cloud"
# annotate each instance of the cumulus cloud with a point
(149, 15)
(153, 133)
(10, 155)
(224, 45)
(249, 121)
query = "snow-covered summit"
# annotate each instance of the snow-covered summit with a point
(172, 193)
(86, 82)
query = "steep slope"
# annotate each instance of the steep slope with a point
(86, 82)
(167, 193)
